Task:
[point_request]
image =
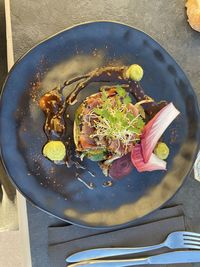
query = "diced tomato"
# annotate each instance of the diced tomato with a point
(111, 91)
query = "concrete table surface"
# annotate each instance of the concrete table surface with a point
(165, 21)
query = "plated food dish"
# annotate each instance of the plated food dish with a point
(53, 169)
(109, 127)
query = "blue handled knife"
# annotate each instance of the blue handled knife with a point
(166, 258)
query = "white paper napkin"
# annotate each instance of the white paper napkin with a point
(197, 168)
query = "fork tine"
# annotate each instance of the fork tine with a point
(191, 246)
(191, 242)
(190, 234)
(191, 238)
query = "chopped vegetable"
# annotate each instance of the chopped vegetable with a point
(155, 128)
(153, 164)
(121, 167)
(96, 154)
(135, 72)
(161, 150)
(54, 150)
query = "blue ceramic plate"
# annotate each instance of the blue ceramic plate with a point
(55, 189)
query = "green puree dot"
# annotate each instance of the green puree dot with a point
(161, 150)
(135, 72)
(54, 150)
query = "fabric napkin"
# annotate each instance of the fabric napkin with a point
(152, 229)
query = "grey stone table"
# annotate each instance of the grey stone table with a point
(165, 21)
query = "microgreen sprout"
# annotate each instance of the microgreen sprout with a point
(113, 120)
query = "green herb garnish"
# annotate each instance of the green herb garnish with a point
(113, 119)
(120, 91)
(127, 100)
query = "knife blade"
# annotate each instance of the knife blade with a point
(165, 258)
(97, 253)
